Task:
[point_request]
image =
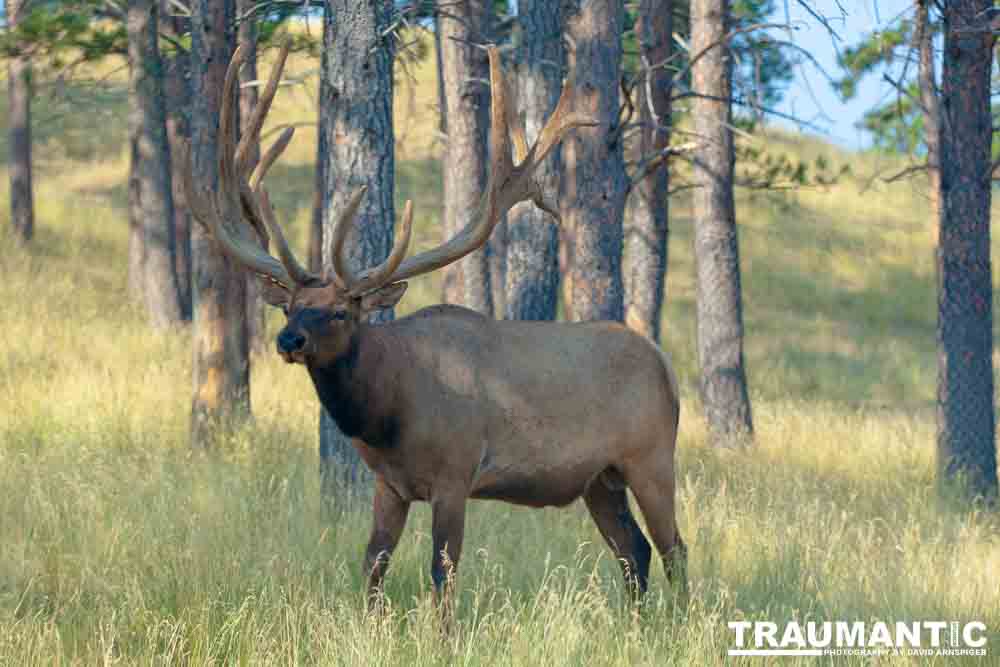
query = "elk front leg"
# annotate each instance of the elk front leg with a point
(447, 530)
(389, 519)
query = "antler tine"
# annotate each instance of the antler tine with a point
(559, 123)
(508, 183)
(229, 182)
(501, 115)
(296, 271)
(235, 203)
(521, 153)
(271, 156)
(249, 191)
(234, 163)
(341, 271)
(372, 279)
(259, 205)
(205, 212)
(251, 132)
(200, 205)
(515, 122)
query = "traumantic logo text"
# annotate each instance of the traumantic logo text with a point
(902, 638)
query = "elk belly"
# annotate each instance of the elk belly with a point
(538, 487)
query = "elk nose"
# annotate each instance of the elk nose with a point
(290, 341)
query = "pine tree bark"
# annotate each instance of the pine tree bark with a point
(496, 257)
(136, 242)
(452, 282)
(442, 102)
(463, 24)
(646, 225)
(177, 91)
(357, 63)
(221, 351)
(924, 37)
(966, 434)
(319, 190)
(247, 35)
(19, 92)
(151, 166)
(532, 283)
(720, 309)
(595, 180)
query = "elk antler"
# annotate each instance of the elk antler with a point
(370, 279)
(241, 195)
(509, 182)
(238, 199)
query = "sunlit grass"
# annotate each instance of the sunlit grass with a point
(119, 545)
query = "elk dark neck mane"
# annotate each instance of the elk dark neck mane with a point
(353, 391)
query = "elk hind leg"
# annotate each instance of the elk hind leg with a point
(447, 531)
(610, 511)
(652, 482)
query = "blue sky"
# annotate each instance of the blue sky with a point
(810, 96)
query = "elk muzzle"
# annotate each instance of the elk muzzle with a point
(291, 345)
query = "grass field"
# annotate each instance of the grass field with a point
(119, 546)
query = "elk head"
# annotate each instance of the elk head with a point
(324, 311)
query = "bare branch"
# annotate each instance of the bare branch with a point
(650, 163)
(903, 173)
(902, 91)
(822, 19)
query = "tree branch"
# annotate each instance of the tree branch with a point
(650, 163)
(722, 40)
(822, 19)
(903, 173)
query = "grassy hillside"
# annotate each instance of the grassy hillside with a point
(118, 545)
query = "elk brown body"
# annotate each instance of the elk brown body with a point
(446, 404)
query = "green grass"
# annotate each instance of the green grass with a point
(118, 545)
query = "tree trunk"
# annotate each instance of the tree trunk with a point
(177, 91)
(452, 282)
(720, 309)
(966, 441)
(646, 227)
(532, 235)
(22, 204)
(357, 66)
(136, 243)
(151, 166)
(924, 38)
(442, 101)
(595, 181)
(221, 353)
(319, 190)
(320, 194)
(466, 71)
(496, 257)
(247, 35)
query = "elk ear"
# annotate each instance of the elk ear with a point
(273, 293)
(384, 297)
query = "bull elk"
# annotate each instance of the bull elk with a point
(446, 404)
